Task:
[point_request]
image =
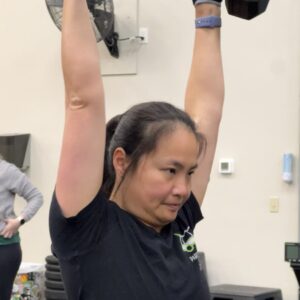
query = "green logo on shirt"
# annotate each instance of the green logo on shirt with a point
(187, 241)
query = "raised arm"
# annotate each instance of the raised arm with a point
(205, 93)
(81, 162)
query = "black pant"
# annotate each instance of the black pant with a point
(10, 260)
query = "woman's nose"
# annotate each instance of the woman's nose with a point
(181, 188)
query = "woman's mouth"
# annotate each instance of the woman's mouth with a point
(174, 207)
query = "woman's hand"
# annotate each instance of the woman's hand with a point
(11, 228)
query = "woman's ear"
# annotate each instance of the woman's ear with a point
(120, 162)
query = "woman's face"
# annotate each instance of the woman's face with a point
(161, 184)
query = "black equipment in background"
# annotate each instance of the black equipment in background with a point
(15, 148)
(292, 255)
(102, 18)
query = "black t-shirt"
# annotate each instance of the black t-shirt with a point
(105, 253)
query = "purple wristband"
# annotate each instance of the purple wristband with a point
(208, 22)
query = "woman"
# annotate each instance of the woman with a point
(12, 182)
(128, 197)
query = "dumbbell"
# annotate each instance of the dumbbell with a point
(246, 9)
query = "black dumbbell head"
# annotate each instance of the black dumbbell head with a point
(246, 9)
(51, 259)
(54, 285)
(51, 275)
(55, 268)
(57, 295)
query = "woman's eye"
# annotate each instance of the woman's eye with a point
(172, 171)
(191, 173)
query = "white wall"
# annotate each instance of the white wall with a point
(242, 240)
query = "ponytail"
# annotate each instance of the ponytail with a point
(109, 172)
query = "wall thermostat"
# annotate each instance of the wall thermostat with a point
(226, 165)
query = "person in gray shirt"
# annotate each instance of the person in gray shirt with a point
(13, 182)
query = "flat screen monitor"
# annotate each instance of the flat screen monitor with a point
(15, 149)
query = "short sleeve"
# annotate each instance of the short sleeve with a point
(191, 212)
(79, 234)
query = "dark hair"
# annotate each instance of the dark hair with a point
(138, 131)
